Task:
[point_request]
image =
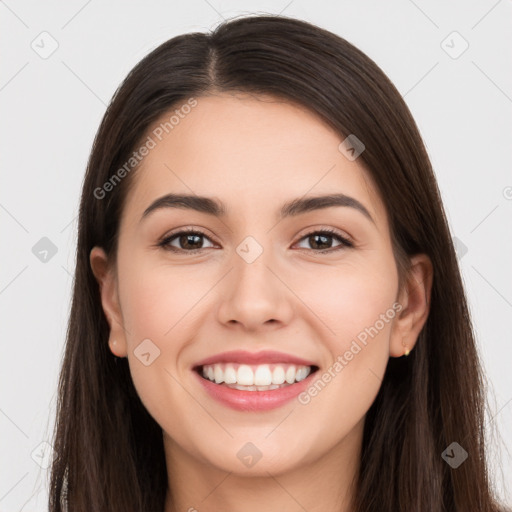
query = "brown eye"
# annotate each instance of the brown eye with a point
(187, 240)
(321, 241)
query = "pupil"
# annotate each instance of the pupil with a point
(323, 237)
(188, 238)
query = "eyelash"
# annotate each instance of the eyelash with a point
(164, 243)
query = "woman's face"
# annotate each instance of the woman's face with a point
(257, 282)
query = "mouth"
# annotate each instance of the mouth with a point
(254, 381)
(255, 377)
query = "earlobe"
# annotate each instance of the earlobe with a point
(415, 301)
(107, 281)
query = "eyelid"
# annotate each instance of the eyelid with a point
(327, 229)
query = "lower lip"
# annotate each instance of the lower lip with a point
(254, 400)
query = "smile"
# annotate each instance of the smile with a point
(257, 382)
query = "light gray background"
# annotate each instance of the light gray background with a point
(51, 109)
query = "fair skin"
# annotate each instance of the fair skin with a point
(254, 156)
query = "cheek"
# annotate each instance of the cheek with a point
(357, 303)
(157, 306)
(351, 297)
(152, 306)
(157, 299)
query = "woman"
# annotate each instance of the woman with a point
(267, 309)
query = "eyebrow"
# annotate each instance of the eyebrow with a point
(292, 208)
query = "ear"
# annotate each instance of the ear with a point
(415, 300)
(106, 276)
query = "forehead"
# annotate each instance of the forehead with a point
(251, 152)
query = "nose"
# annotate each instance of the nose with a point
(254, 295)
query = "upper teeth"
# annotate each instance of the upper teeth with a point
(259, 375)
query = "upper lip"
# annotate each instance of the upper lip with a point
(244, 357)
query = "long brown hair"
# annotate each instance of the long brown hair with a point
(109, 450)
